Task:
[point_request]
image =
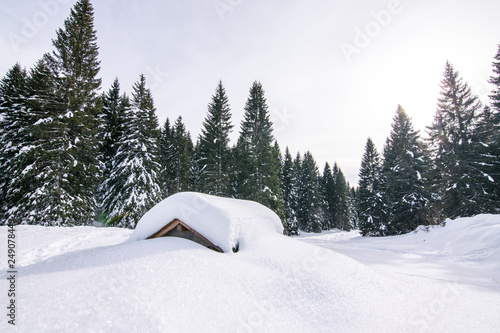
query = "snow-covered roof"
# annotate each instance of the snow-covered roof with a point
(223, 221)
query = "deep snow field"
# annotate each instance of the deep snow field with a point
(86, 279)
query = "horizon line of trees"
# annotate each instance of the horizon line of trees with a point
(71, 155)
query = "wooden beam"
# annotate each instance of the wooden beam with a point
(178, 223)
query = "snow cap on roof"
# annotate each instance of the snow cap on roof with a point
(223, 221)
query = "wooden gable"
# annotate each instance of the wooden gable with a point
(177, 228)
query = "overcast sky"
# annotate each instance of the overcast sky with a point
(333, 71)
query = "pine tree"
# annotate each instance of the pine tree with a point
(41, 187)
(112, 126)
(353, 207)
(182, 152)
(341, 200)
(213, 149)
(166, 158)
(14, 122)
(495, 80)
(196, 172)
(461, 183)
(274, 181)
(258, 161)
(371, 204)
(176, 158)
(309, 199)
(134, 180)
(75, 65)
(485, 157)
(491, 119)
(289, 192)
(328, 191)
(403, 169)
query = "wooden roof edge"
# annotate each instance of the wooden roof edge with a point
(172, 224)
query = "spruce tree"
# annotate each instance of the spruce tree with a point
(276, 164)
(462, 183)
(258, 165)
(341, 200)
(42, 187)
(213, 150)
(166, 157)
(403, 169)
(353, 207)
(134, 180)
(112, 124)
(485, 157)
(328, 191)
(14, 135)
(75, 64)
(371, 204)
(112, 121)
(176, 158)
(289, 193)
(495, 80)
(309, 199)
(491, 119)
(182, 153)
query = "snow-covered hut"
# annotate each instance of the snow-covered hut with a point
(221, 224)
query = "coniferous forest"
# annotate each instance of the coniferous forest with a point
(72, 155)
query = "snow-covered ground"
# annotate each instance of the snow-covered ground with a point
(465, 251)
(86, 279)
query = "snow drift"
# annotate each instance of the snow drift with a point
(464, 250)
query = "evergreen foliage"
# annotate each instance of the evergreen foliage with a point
(14, 135)
(404, 168)
(288, 180)
(491, 142)
(134, 181)
(340, 203)
(182, 152)
(165, 158)
(371, 204)
(42, 187)
(112, 118)
(461, 183)
(495, 80)
(310, 202)
(329, 195)
(112, 114)
(56, 172)
(76, 62)
(258, 162)
(213, 152)
(353, 207)
(177, 158)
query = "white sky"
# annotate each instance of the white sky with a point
(321, 98)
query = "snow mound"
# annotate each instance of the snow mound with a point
(462, 236)
(465, 250)
(223, 221)
(473, 239)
